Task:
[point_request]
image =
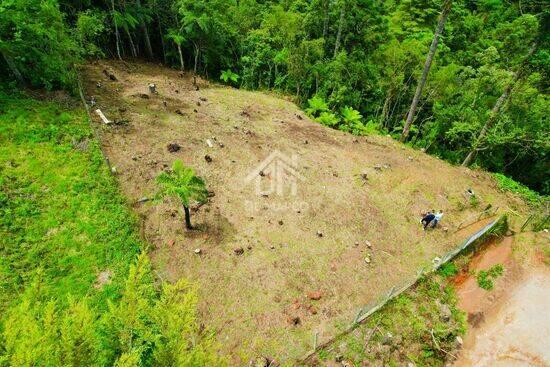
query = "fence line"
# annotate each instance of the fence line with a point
(364, 312)
(95, 133)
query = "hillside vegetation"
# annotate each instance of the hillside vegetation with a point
(465, 80)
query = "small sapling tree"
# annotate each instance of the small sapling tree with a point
(182, 182)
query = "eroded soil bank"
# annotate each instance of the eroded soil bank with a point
(508, 326)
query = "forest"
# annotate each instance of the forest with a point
(355, 65)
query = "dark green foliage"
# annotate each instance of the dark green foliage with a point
(448, 269)
(356, 54)
(35, 42)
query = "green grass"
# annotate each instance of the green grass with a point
(62, 222)
(61, 216)
(403, 329)
(507, 184)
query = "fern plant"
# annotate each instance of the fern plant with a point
(228, 75)
(352, 121)
(317, 105)
(183, 183)
(328, 119)
(350, 115)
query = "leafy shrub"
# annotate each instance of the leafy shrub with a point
(141, 329)
(316, 106)
(328, 119)
(448, 269)
(351, 121)
(507, 184)
(485, 278)
(89, 27)
(350, 116)
(229, 76)
(35, 38)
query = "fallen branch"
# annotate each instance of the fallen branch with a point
(371, 334)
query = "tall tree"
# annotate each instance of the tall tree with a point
(340, 27)
(495, 111)
(144, 30)
(427, 66)
(178, 39)
(117, 34)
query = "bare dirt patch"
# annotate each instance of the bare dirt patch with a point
(509, 325)
(354, 189)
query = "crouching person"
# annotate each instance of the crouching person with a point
(437, 218)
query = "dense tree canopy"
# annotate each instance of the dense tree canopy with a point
(361, 59)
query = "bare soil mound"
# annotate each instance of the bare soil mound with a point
(284, 242)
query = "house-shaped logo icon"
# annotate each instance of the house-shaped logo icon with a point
(279, 170)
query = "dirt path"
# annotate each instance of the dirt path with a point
(509, 326)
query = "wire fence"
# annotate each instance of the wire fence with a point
(365, 312)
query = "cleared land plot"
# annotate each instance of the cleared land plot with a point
(354, 189)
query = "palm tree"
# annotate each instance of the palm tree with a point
(183, 183)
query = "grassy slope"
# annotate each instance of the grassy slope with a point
(400, 332)
(63, 226)
(62, 218)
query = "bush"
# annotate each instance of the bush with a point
(507, 184)
(316, 106)
(229, 76)
(328, 119)
(37, 43)
(448, 269)
(485, 278)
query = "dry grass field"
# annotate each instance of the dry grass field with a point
(302, 269)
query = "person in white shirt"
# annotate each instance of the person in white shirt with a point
(437, 218)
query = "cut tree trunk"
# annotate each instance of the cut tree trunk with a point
(427, 66)
(340, 26)
(187, 217)
(496, 109)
